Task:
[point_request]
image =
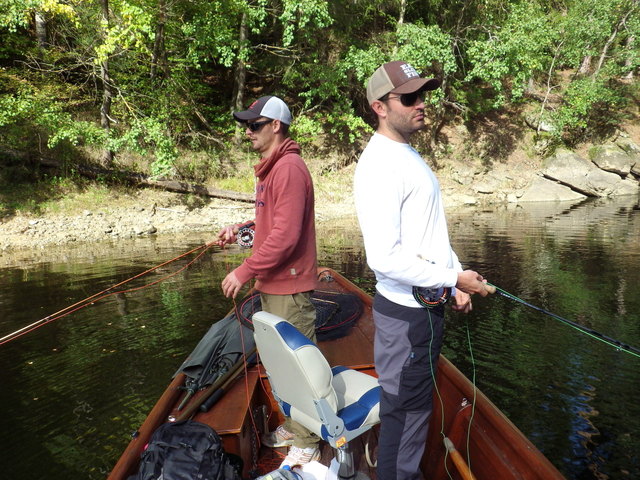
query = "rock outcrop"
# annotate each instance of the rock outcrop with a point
(613, 169)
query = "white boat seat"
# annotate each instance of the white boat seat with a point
(337, 404)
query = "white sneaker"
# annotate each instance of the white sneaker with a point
(278, 438)
(300, 456)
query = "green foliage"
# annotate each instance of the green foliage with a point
(512, 54)
(16, 14)
(590, 107)
(585, 28)
(426, 46)
(306, 129)
(174, 67)
(132, 33)
(149, 136)
(26, 104)
(363, 62)
(210, 30)
(303, 16)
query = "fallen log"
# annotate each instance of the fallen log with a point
(140, 179)
(184, 187)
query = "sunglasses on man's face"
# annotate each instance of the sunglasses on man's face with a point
(255, 126)
(409, 99)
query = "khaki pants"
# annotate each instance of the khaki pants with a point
(298, 310)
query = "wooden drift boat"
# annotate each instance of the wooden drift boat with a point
(496, 448)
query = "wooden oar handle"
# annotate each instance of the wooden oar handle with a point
(458, 461)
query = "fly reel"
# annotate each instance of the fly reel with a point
(245, 234)
(431, 297)
(245, 237)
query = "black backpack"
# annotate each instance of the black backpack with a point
(186, 450)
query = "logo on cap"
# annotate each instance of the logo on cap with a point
(409, 71)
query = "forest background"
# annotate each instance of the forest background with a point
(147, 86)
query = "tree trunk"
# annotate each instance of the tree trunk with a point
(159, 58)
(549, 87)
(107, 93)
(440, 111)
(585, 67)
(627, 63)
(607, 45)
(403, 9)
(240, 76)
(41, 30)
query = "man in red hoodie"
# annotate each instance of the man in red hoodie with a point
(283, 260)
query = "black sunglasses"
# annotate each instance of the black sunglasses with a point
(409, 99)
(255, 126)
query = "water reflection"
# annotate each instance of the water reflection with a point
(575, 261)
(75, 387)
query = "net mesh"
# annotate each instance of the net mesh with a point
(336, 313)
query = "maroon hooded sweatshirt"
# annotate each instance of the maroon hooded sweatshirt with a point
(284, 257)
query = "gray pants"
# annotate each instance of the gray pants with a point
(298, 310)
(406, 349)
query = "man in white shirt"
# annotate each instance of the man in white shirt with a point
(406, 239)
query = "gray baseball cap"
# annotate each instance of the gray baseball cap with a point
(268, 106)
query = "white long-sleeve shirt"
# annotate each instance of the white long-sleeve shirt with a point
(401, 216)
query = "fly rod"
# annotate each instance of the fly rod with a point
(233, 372)
(586, 330)
(103, 294)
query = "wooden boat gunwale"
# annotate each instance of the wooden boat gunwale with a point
(497, 448)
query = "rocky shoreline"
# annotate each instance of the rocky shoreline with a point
(606, 170)
(612, 169)
(146, 213)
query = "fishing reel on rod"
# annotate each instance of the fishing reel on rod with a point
(430, 297)
(245, 235)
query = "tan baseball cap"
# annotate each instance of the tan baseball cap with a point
(397, 77)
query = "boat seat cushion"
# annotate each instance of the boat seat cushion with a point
(302, 380)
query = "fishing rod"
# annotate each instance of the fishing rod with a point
(586, 330)
(104, 293)
(223, 380)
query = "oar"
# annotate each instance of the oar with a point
(233, 372)
(458, 461)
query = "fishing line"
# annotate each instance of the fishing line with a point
(475, 391)
(435, 386)
(238, 313)
(612, 342)
(103, 294)
(246, 379)
(473, 403)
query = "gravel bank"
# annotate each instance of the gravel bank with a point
(147, 212)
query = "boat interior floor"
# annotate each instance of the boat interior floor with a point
(364, 450)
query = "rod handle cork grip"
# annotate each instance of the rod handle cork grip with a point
(489, 288)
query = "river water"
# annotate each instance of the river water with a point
(74, 389)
